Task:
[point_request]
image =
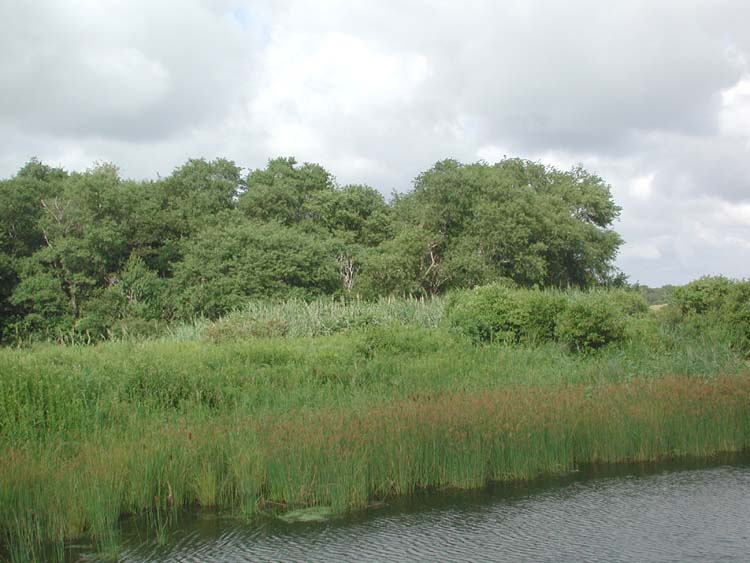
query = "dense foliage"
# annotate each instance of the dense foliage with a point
(582, 321)
(87, 255)
(715, 299)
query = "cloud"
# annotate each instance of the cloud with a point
(128, 71)
(642, 187)
(653, 96)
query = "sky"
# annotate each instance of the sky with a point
(653, 96)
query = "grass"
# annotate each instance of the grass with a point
(335, 418)
(322, 317)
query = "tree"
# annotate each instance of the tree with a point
(353, 218)
(79, 243)
(515, 219)
(283, 190)
(199, 190)
(408, 264)
(228, 264)
(20, 234)
(83, 252)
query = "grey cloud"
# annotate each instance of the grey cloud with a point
(579, 74)
(694, 166)
(129, 71)
(378, 91)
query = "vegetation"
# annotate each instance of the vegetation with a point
(712, 300)
(277, 408)
(88, 256)
(654, 295)
(582, 321)
(276, 344)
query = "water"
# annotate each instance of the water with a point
(678, 513)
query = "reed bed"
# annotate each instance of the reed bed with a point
(296, 318)
(265, 425)
(346, 458)
(50, 393)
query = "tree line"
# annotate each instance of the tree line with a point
(88, 253)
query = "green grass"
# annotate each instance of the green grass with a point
(321, 317)
(336, 418)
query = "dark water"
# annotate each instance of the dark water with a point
(678, 513)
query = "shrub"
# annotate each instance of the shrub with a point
(628, 301)
(703, 295)
(486, 313)
(544, 309)
(590, 321)
(735, 313)
(98, 316)
(500, 313)
(397, 339)
(715, 302)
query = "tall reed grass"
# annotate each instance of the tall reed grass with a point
(321, 317)
(345, 458)
(48, 393)
(336, 418)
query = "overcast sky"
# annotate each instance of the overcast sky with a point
(654, 96)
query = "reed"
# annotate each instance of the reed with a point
(269, 425)
(346, 457)
(321, 317)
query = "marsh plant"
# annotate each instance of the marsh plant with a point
(353, 403)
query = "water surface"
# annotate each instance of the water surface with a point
(678, 513)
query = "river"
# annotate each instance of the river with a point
(678, 512)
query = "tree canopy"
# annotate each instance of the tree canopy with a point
(88, 252)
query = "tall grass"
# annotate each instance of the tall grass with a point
(48, 392)
(258, 423)
(325, 316)
(346, 457)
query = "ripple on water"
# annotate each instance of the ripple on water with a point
(686, 516)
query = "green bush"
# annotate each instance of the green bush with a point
(397, 339)
(486, 313)
(715, 302)
(628, 301)
(735, 313)
(703, 295)
(590, 321)
(500, 313)
(543, 312)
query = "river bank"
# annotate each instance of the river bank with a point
(269, 425)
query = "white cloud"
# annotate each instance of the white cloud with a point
(734, 118)
(125, 71)
(112, 73)
(734, 215)
(642, 187)
(645, 250)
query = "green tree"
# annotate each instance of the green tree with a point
(353, 218)
(83, 243)
(407, 264)
(228, 264)
(20, 233)
(515, 219)
(282, 192)
(86, 251)
(198, 190)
